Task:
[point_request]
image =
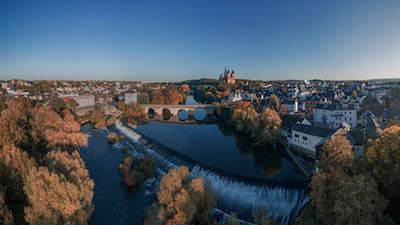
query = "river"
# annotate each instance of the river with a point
(244, 178)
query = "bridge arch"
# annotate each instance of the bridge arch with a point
(183, 115)
(175, 109)
(166, 113)
(200, 114)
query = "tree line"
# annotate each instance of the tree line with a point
(43, 179)
(263, 128)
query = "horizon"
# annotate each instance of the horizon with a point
(179, 40)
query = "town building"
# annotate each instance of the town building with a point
(130, 97)
(84, 100)
(228, 77)
(288, 122)
(373, 105)
(306, 137)
(332, 115)
(309, 104)
(290, 105)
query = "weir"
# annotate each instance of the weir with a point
(282, 203)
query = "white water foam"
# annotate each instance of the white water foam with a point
(281, 203)
(235, 196)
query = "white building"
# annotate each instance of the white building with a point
(306, 137)
(291, 106)
(84, 100)
(130, 97)
(332, 115)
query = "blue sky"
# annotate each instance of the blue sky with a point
(180, 40)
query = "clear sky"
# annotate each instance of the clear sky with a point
(180, 40)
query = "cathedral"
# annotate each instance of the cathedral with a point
(228, 77)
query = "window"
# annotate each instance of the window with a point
(305, 138)
(296, 136)
(344, 112)
(349, 112)
(350, 118)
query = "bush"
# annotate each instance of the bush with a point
(136, 171)
(120, 138)
(125, 149)
(112, 137)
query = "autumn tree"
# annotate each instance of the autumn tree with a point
(267, 127)
(185, 88)
(184, 200)
(15, 165)
(121, 105)
(6, 217)
(13, 125)
(341, 197)
(65, 180)
(2, 104)
(384, 158)
(64, 133)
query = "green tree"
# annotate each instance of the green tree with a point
(267, 127)
(209, 97)
(244, 119)
(59, 103)
(73, 103)
(273, 101)
(354, 94)
(143, 98)
(388, 101)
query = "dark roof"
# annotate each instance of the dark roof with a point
(288, 102)
(335, 106)
(358, 137)
(288, 121)
(371, 101)
(313, 130)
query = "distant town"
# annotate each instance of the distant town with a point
(313, 110)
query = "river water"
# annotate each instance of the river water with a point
(245, 178)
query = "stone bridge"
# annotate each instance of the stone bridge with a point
(175, 109)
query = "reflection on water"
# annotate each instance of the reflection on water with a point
(266, 159)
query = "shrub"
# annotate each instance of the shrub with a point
(125, 149)
(135, 171)
(120, 138)
(112, 137)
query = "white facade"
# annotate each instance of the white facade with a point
(84, 100)
(291, 106)
(335, 114)
(130, 97)
(304, 140)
